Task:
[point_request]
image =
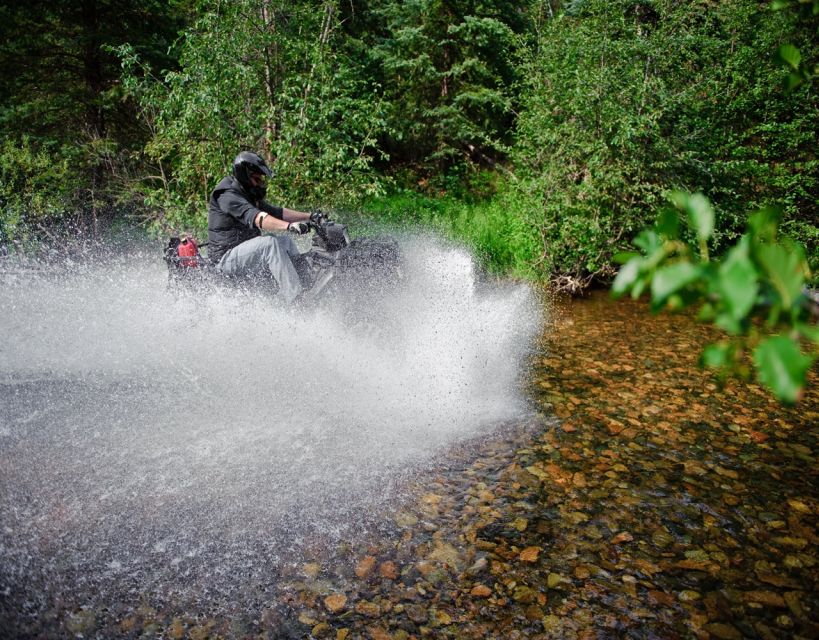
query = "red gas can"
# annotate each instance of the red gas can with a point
(188, 252)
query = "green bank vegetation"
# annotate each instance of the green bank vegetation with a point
(546, 134)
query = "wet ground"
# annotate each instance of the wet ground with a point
(640, 500)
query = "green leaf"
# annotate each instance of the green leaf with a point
(701, 215)
(810, 331)
(699, 210)
(675, 302)
(776, 5)
(679, 199)
(785, 270)
(781, 366)
(626, 276)
(668, 223)
(716, 356)
(624, 256)
(728, 323)
(789, 54)
(638, 288)
(793, 80)
(737, 282)
(763, 223)
(671, 279)
(706, 313)
(648, 241)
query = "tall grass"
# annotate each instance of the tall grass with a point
(499, 230)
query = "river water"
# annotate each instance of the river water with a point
(174, 448)
(491, 467)
(682, 508)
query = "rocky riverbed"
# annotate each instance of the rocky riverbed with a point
(641, 499)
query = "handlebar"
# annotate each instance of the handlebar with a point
(317, 222)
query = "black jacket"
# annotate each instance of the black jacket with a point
(231, 217)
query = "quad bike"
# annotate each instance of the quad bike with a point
(334, 265)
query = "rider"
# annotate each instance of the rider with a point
(237, 216)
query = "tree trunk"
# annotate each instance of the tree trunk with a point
(269, 20)
(93, 77)
(326, 27)
(92, 68)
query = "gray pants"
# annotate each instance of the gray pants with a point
(271, 255)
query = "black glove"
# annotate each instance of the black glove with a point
(316, 217)
(299, 228)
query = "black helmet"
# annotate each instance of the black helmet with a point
(247, 163)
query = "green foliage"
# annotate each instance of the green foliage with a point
(448, 71)
(789, 55)
(762, 277)
(261, 75)
(782, 367)
(499, 230)
(35, 191)
(67, 132)
(626, 100)
(547, 138)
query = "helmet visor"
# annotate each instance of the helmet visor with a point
(258, 179)
(263, 168)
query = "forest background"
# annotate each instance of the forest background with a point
(544, 134)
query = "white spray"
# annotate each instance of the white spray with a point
(141, 429)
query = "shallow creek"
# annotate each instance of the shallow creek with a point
(643, 500)
(637, 498)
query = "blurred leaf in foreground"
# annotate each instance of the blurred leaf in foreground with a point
(781, 366)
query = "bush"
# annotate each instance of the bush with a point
(628, 100)
(36, 191)
(268, 77)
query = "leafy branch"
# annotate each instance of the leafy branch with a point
(788, 55)
(755, 293)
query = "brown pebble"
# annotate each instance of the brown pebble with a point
(365, 567)
(369, 609)
(417, 613)
(661, 598)
(581, 573)
(378, 633)
(723, 631)
(388, 570)
(621, 537)
(480, 591)
(335, 602)
(177, 630)
(442, 618)
(768, 598)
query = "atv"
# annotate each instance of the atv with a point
(334, 265)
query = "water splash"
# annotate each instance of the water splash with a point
(152, 441)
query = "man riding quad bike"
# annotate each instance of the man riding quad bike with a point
(237, 215)
(237, 250)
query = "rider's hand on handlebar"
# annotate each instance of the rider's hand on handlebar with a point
(316, 217)
(299, 228)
